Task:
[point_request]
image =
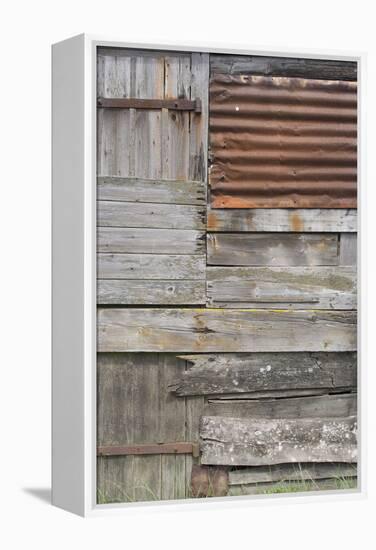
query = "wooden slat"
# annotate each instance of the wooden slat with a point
(234, 373)
(316, 287)
(150, 241)
(330, 406)
(221, 330)
(297, 487)
(248, 442)
(348, 249)
(283, 66)
(123, 419)
(198, 144)
(176, 104)
(274, 249)
(150, 215)
(283, 219)
(150, 266)
(151, 292)
(291, 472)
(153, 191)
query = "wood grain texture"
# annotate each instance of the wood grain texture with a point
(123, 418)
(329, 406)
(198, 144)
(150, 215)
(283, 219)
(238, 373)
(150, 266)
(317, 287)
(154, 191)
(291, 472)
(249, 442)
(150, 241)
(151, 292)
(283, 66)
(295, 486)
(348, 249)
(220, 330)
(274, 249)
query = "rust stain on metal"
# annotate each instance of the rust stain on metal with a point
(297, 224)
(150, 449)
(209, 481)
(280, 142)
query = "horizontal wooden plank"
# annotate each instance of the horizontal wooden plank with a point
(348, 249)
(151, 292)
(150, 241)
(154, 191)
(318, 287)
(332, 220)
(182, 447)
(150, 215)
(224, 330)
(294, 486)
(330, 406)
(291, 472)
(249, 442)
(283, 66)
(175, 104)
(274, 249)
(150, 266)
(234, 373)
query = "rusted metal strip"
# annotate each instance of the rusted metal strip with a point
(136, 103)
(279, 142)
(150, 449)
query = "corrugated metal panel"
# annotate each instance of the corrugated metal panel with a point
(282, 142)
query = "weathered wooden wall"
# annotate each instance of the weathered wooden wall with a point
(234, 329)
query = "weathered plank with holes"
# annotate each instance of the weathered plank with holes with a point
(283, 219)
(274, 249)
(348, 249)
(125, 384)
(291, 472)
(221, 330)
(330, 406)
(152, 292)
(283, 66)
(150, 266)
(318, 287)
(233, 373)
(248, 442)
(150, 241)
(150, 215)
(154, 191)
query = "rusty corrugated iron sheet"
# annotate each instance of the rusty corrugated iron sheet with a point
(278, 142)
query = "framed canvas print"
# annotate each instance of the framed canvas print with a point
(205, 274)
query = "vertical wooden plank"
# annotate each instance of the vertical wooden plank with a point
(194, 409)
(147, 83)
(198, 163)
(175, 124)
(348, 249)
(114, 125)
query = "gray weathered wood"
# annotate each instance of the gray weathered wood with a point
(233, 373)
(150, 241)
(283, 219)
(152, 292)
(348, 249)
(224, 330)
(198, 144)
(291, 472)
(150, 266)
(274, 249)
(283, 66)
(295, 486)
(150, 215)
(123, 418)
(154, 191)
(317, 287)
(330, 406)
(248, 442)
